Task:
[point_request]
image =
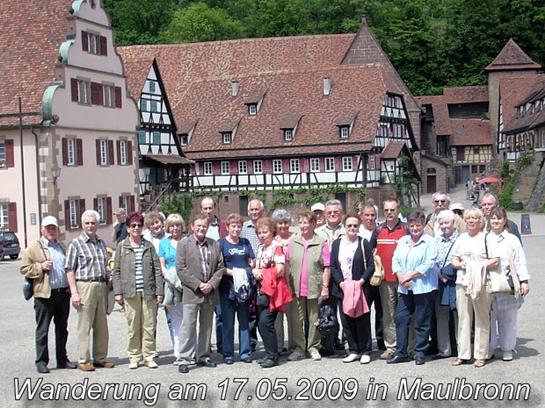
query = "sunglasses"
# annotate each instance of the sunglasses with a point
(135, 225)
(389, 210)
(439, 201)
(352, 226)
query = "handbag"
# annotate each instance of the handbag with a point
(378, 275)
(28, 291)
(496, 282)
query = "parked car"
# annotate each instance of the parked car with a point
(10, 244)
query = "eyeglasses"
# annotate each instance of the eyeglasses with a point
(333, 212)
(352, 225)
(439, 201)
(135, 225)
(389, 210)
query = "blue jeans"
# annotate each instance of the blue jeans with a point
(228, 310)
(421, 306)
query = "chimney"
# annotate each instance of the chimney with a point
(235, 87)
(327, 86)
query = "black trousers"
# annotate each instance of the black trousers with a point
(357, 332)
(56, 308)
(268, 334)
(372, 294)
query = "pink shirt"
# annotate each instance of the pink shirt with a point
(303, 284)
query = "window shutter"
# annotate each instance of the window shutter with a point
(111, 160)
(12, 216)
(118, 146)
(109, 210)
(103, 45)
(98, 151)
(129, 153)
(95, 204)
(79, 149)
(118, 97)
(96, 94)
(84, 41)
(81, 210)
(67, 215)
(121, 202)
(10, 153)
(64, 152)
(74, 86)
(131, 203)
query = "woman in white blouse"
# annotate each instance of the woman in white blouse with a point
(503, 318)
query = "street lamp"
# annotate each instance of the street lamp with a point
(56, 173)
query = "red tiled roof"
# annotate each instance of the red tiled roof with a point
(31, 35)
(393, 150)
(470, 132)
(170, 159)
(513, 90)
(289, 95)
(527, 91)
(465, 94)
(510, 58)
(137, 71)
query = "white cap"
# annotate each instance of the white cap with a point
(317, 207)
(49, 220)
(457, 206)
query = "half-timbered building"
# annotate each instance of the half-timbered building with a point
(67, 124)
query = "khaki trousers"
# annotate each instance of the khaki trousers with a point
(388, 298)
(141, 317)
(92, 315)
(299, 308)
(466, 306)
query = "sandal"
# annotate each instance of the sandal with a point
(458, 362)
(480, 362)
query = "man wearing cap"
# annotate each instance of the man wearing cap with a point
(120, 227)
(440, 202)
(88, 278)
(43, 262)
(318, 209)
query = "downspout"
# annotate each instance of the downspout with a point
(22, 170)
(37, 174)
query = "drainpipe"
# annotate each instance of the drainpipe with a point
(37, 174)
(22, 170)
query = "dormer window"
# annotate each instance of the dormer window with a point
(344, 131)
(184, 139)
(252, 109)
(288, 135)
(227, 137)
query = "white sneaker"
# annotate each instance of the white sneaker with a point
(150, 364)
(295, 356)
(507, 355)
(315, 355)
(351, 358)
(365, 359)
(133, 365)
(177, 362)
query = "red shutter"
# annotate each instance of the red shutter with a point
(103, 45)
(67, 215)
(81, 210)
(117, 97)
(109, 210)
(118, 146)
(64, 152)
(121, 202)
(95, 204)
(84, 41)
(98, 151)
(96, 94)
(74, 86)
(12, 217)
(111, 160)
(10, 154)
(79, 150)
(129, 153)
(131, 204)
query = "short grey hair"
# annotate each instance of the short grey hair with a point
(90, 213)
(261, 205)
(446, 215)
(281, 215)
(438, 194)
(334, 201)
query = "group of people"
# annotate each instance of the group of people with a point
(259, 271)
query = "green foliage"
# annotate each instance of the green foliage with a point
(181, 204)
(506, 196)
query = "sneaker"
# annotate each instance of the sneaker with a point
(365, 359)
(295, 356)
(351, 358)
(315, 355)
(387, 355)
(133, 365)
(177, 362)
(103, 364)
(150, 364)
(507, 355)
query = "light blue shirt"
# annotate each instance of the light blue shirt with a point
(422, 258)
(57, 276)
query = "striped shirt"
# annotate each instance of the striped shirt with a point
(87, 258)
(138, 269)
(57, 255)
(205, 259)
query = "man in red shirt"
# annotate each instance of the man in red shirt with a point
(385, 239)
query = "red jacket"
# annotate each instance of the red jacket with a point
(386, 242)
(276, 288)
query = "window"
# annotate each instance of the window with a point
(73, 206)
(93, 43)
(460, 153)
(225, 168)
(288, 135)
(156, 138)
(4, 215)
(184, 139)
(109, 96)
(242, 167)
(154, 105)
(2, 152)
(123, 156)
(103, 148)
(102, 209)
(226, 136)
(84, 92)
(152, 86)
(143, 105)
(344, 130)
(314, 165)
(252, 109)
(258, 167)
(476, 150)
(347, 163)
(207, 168)
(142, 137)
(71, 159)
(277, 166)
(294, 166)
(329, 164)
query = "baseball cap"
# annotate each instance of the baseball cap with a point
(49, 220)
(317, 207)
(457, 206)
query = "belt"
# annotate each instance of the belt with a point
(59, 290)
(100, 279)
